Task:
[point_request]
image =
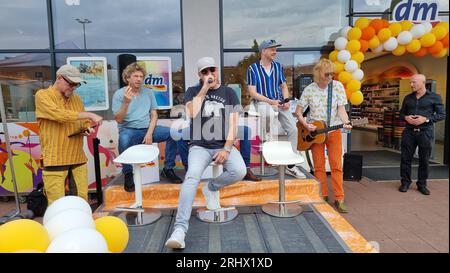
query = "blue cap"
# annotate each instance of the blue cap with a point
(268, 43)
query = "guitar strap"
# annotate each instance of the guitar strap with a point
(330, 100)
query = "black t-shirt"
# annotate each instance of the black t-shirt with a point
(209, 129)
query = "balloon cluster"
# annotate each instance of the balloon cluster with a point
(379, 35)
(68, 227)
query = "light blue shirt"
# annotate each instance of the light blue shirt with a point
(138, 114)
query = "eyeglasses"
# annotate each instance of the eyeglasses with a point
(72, 84)
(331, 74)
(210, 69)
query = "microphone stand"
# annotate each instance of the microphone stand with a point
(16, 213)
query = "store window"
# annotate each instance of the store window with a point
(113, 75)
(23, 24)
(21, 76)
(117, 24)
(292, 23)
(295, 63)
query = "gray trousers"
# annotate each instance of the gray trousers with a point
(199, 159)
(284, 117)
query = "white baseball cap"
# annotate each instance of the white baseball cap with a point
(205, 62)
(70, 72)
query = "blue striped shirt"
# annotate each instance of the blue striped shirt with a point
(267, 85)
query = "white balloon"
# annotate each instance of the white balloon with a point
(80, 240)
(68, 220)
(358, 75)
(344, 31)
(340, 43)
(428, 26)
(404, 38)
(351, 66)
(344, 56)
(417, 31)
(390, 44)
(65, 203)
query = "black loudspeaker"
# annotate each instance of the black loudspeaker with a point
(353, 167)
(123, 61)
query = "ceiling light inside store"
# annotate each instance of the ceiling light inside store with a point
(373, 2)
(72, 2)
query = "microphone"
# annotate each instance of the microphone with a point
(286, 100)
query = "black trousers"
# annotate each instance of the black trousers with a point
(410, 141)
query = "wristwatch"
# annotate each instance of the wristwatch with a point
(427, 120)
(228, 149)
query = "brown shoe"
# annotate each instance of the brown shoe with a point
(251, 176)
(340, 206)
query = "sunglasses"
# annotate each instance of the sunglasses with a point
(72, 84)
(210, 69)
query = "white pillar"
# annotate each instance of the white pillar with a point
(201, 35)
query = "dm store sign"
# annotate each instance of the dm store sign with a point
(416, 11)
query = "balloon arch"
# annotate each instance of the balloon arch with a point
(379, 35)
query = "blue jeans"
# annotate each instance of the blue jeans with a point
(199, 159)
(129, 137)
(244, 134)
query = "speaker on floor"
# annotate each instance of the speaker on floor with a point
(123, 61)
(353, 167)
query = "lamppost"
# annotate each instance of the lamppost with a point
(84, 22)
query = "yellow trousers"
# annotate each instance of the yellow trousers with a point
(55, 181)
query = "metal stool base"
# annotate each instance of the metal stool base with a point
(268, 171)
(139, 217)
(282, 210)
(217, 216)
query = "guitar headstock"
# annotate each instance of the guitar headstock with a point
(360, 121)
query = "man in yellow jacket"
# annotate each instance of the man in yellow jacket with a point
(59, 113)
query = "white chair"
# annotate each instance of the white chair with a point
(221, 215)
(280, 153)
(252, 111)
(136, 155)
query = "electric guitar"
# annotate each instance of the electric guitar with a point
(307, 138)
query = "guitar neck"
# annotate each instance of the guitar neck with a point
(325, 130)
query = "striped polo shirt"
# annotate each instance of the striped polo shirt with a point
(268, 85)
(57, 118)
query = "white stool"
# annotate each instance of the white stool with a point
(221, 215)
(136, 155)
(262, 170)
(280, 153)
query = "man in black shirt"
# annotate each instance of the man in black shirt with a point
(420, 109)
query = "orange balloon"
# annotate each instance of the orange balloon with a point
(348, 93)
(445, 41)
(364, 45)
(385, 23)
(377, 24)
(368, 33)
(436, 47)
(422, 52)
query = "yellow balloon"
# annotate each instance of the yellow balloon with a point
(440, 32)
(28, 251)
(354, 33)
(413, 46)
(443, 24)
(115, 232)
(333, 55)
(344, 77)
(353, 86)
(362, 23)
(384, 34)
(374, 42)
(357, 98)
(442, 53)
(406, 25)
(338, 67)
(358, 57)
(427, 40)
(400, 50)
(353, 46)
(395, 29)
(23, 234)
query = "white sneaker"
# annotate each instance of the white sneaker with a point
(295, 172)
(212, 198)
(176, 240)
